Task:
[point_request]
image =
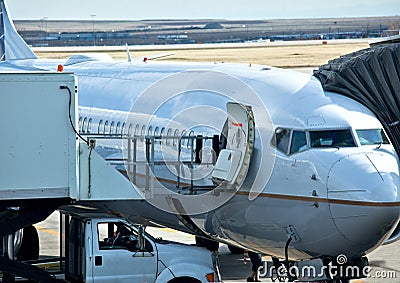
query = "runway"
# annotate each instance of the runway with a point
(384, 262)
(197, 46)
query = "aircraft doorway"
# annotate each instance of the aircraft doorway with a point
(233, 161)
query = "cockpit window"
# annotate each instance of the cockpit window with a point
(282, 138)
(370, 137)
(299, 142)
(332, 138)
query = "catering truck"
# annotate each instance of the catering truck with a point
(48, 168)
(109, 249)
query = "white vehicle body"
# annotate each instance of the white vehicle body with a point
(105, 252)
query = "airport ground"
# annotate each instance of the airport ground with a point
(294, 54)
(384, 262)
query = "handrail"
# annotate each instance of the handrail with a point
(132, 160)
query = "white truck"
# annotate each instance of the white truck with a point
(109, 249)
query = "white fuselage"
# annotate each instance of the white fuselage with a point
(341, 197)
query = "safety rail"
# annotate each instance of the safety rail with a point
(140, 150)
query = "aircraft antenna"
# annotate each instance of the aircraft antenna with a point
(128, 53)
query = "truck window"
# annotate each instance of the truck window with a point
(117, 235)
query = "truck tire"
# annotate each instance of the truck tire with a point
(184, 280)
(29, 249)
(235, 250)
(210, 245)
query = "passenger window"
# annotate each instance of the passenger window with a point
(189, 142)
(80, 123)
(162, 134)
(282, 138)
(299, 142)
(143, 131)
(117, 128)
(157, 140)
(105, 131)
(136, 132)
(176, 137)
(100, 127)
(123, 128)
(169, 134)
(84, 125)
(89, 126)
(130, 129)
(112, 128)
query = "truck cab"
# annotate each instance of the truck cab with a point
(109, 249)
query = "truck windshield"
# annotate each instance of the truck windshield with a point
(331, 138)
(370, 137)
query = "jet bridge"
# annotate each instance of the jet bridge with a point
(372, 77)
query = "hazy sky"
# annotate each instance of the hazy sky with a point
(224, 9)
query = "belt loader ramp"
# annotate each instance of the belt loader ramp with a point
(44, 164)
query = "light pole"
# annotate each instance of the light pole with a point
(44, 27)
(147, 30)
(94, 34)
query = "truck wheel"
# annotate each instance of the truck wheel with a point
(29, 249)
(207, 243)
(184, 280)
(235, 250)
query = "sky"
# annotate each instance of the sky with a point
(199, 9)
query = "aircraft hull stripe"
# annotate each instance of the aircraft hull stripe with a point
(303, 198)
(325, 200)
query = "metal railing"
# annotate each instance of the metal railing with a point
(130, 160)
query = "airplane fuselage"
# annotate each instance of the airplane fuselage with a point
(321, 169)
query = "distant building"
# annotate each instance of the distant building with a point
(213, 26)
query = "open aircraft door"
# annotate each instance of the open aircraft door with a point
(233, 161)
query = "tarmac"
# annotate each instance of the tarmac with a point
(384, 262)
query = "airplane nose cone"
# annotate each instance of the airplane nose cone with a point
(363, 195)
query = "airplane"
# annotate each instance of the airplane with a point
(287, 169)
